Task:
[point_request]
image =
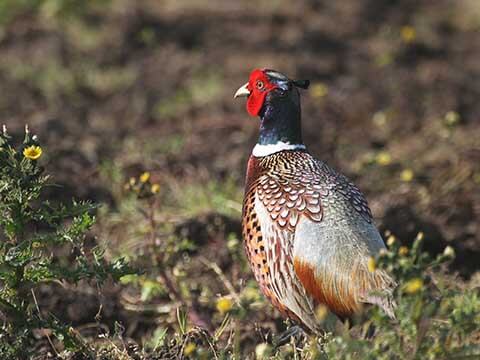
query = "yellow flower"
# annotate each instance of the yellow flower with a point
(403, 251)
(32, 152)
(155, 188)
(383, 158)
(189, 349)
(406, 175)
(224, 305)
(372, 266)
(408, 34)
(145, 177)
(413, 286)
(391, 240)
(321, 311)
(452, 118)
(319, 90)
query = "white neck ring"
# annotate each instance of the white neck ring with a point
(269, 149)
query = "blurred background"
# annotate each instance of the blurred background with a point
(116, 88)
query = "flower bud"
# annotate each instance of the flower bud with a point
(449, 251)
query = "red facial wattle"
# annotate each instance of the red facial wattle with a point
(257, 94)
(255, 102)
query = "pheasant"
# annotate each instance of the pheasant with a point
(308, 231)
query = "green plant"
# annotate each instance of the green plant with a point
(32, 229)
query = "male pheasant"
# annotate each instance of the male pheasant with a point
(308, 230)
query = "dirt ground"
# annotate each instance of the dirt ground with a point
(117, 88)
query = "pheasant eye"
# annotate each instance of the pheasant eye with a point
(259, 84)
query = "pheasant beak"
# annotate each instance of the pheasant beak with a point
(242, 92)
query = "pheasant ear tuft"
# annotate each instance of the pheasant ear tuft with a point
(302, 84)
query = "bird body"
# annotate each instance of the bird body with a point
(308, 230)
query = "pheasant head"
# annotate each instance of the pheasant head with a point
(275, 98)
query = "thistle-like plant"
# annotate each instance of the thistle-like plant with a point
(32, 228)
